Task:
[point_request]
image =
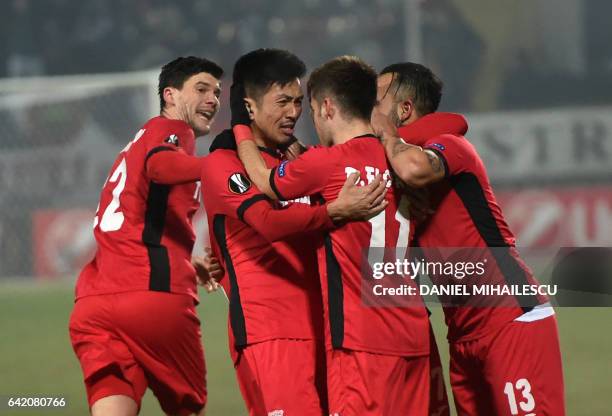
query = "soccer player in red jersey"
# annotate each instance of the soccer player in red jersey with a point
(134, 324)
(268, 250)
(505, 360)
(377, 357)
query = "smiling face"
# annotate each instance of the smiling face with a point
(277, 111)
(196, 103)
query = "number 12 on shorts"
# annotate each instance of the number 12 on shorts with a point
(527, 404)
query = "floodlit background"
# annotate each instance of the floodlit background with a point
(534, 78)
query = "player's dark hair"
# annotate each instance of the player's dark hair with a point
(417, 82)
(175, 73)
(350, 80)
(260, 69)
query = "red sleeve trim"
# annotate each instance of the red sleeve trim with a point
(242, 132)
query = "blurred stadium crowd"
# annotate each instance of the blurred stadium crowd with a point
(59, 135)
(488, 54)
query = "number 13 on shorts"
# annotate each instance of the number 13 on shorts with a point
(526, 402)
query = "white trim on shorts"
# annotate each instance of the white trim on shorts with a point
(539, 312)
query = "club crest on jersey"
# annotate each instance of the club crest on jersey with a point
(438, 146)
(172, 139)
(239, 183)
(281, 168)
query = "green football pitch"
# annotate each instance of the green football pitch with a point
(36, 358)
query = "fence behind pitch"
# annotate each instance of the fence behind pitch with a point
(58, 137)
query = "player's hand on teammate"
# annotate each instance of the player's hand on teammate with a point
(292, 149)
(238, 106)
(357, 202)
(383, 127)
(419, 204)
(208, 270)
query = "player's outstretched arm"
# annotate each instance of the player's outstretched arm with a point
(353, 203)
(173, 167)
(413, 165)
(247, 148)
(293, 220)
(253, 161)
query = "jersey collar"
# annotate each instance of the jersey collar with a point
(272, 152)
(365, 136)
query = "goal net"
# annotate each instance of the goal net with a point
(58, 139)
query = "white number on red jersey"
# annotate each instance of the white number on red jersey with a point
(112, 219)
(377, 238)
(134, 140)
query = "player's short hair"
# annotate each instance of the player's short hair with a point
(260, 69)
(175, 73)
(350, 81)
(416, 82)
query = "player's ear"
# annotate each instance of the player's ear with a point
(327, 109)
(251, 106)
(170, 95)
(405, 109)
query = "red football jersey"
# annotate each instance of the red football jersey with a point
(143, 229)
(466, 215)
(272, 286)
(351, 322)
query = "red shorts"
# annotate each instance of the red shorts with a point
(282, 377)
(366, 384)
(129, 341)
(514, 371)
(438, 399)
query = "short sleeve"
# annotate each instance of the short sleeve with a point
(306, 175)
(457, 154)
